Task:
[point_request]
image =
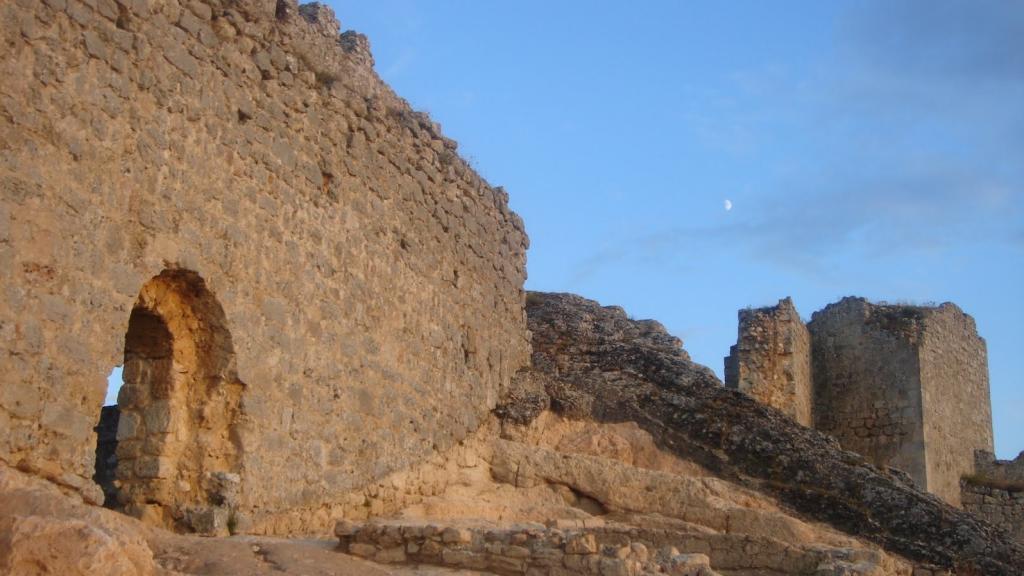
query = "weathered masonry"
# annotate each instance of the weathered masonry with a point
(995, 491)
(906, 386)
(771, 360)
(307, 287)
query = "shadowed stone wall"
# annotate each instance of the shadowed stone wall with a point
(957, 407)
(370, 282)
(906, 386)
(867, 386)
(771, 360)
(995, 491)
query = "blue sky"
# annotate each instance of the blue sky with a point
(868, 148)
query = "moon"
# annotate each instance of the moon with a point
(727, 204)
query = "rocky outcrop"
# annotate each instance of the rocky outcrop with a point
(593, 362)
(43, 531)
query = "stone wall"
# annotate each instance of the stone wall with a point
(867, 386)
(906, 386)
(995, 491)
(957, 408)
(1003, 506)
(528, 549)
(338, 293)
(594, 547)
(771, 360)
(1004, 471)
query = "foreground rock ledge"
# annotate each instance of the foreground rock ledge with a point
(593, 362)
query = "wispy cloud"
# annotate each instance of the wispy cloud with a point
(917, 128)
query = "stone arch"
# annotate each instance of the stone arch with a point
(177, 446)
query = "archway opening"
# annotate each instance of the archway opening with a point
(175, 450)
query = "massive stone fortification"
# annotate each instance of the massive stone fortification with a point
(906, 386)
(771, 360)
(320, 313)
(307, 287)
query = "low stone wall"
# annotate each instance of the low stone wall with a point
(593, 547)
(527, 549)
(995, 491)
(1002, 506)
(1003, 471)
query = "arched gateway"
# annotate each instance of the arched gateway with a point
(177, 452)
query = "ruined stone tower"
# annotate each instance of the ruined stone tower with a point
(771, 359)
(905, 386)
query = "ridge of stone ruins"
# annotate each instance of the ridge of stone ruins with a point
(331, 365)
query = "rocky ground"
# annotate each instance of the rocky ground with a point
(614, 454)
(593, 362)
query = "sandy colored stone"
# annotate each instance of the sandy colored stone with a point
(43, 545)
(771, 360)
(342, 293)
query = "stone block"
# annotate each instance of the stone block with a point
(690, 565)
(581, 544)
(208, 520)
(362, 550)
(393, 555)
(154, 467)
(457, 536)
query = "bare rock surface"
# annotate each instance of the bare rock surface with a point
(595, 363)
(44, 531)
(557, 479)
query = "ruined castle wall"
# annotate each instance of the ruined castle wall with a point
(771, 360)
(867, 386)
(995, 492)
(370, 281)
(955, 393)
(1001, 506)
(986, 466)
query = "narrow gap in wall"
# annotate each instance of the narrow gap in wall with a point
(114, 381)
(106, 439)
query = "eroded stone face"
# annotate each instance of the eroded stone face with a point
(771, 360)
(906, 386)
(369, 280)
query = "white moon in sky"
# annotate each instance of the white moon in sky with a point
(727, 204)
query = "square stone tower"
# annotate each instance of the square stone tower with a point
(905, 386)
(771, 360)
